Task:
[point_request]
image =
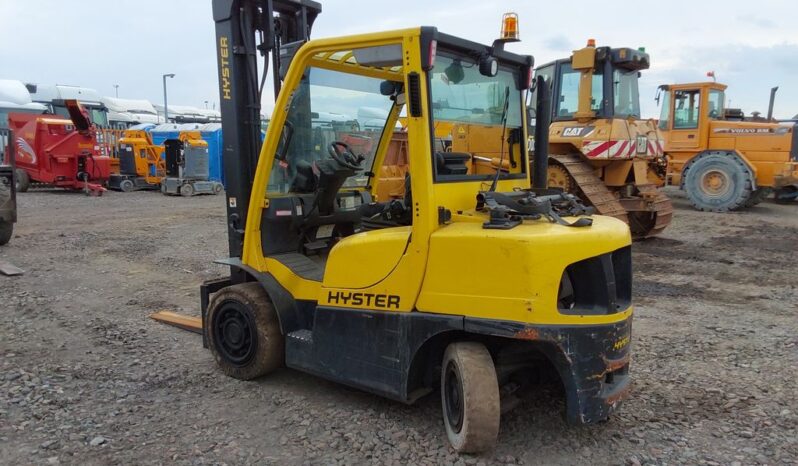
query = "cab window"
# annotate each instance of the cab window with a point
(715, 104)
(467, 107)
(568, 98)
(327, 107)
(665, 111)
(686, 107)
(626, 97)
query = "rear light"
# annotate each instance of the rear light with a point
(433, 50)
(529, 73)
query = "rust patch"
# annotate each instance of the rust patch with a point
(615, 364)
(528, 334)
(616, 397)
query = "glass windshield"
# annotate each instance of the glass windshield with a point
(686, 109)
(330, 106)
(568, 99)
(626, 99)
(468, 107)
(715, 108)
(665, 111)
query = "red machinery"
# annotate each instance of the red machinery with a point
(58, 151)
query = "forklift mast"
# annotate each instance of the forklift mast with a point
(244, 30)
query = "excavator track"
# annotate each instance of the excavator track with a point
(647, 214)
(591, 188)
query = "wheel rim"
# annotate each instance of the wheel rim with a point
(453, 398)
(235, 333)
(558, 177)
(715, 183)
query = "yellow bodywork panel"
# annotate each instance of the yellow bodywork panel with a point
(512, 274)
(363, 259)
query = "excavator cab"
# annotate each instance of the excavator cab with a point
(600, 148)
(468, 284)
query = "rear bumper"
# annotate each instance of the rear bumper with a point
(592, 361)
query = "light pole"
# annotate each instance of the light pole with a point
(116, 90)
(206, 105)
(165, 106)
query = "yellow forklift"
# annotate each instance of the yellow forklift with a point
(466, 284)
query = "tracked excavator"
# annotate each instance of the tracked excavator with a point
(599, 147)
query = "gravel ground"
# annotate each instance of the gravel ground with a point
(87, 378)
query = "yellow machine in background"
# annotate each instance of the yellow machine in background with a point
(141, 163)
(722, 161)
(599, 146)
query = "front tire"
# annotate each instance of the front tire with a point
(126, 186)
(470, 397)
(243, 332)
(717, 182)
(23, 180)
(6, 231)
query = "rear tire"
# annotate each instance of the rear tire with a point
(758, 196)
(717, 182)
(243, 332)
(470, 397)
(23, 180)
(6, 232)
(786, 195)
(187, 190)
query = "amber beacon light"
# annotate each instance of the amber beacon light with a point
(510, 27)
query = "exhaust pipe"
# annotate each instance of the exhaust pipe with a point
(772, 102)
(542, 120)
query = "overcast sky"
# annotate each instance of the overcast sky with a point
(751, 46)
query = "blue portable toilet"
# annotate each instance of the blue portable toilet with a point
(212, 134)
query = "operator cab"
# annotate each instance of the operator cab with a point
(614, 90)
(344, 118)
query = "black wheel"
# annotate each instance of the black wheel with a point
(717, 182)
(126, 186)
(6, 231)
(470, 397)
(786, 195)
(243, 332)
(187, 190)
(23, 180)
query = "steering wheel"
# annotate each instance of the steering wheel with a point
(346, 157)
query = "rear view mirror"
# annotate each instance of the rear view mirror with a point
(454, 72)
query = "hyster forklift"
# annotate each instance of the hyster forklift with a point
(599, 147)
(8, 189)
(141, 163)
(467, 284)
(720, 160)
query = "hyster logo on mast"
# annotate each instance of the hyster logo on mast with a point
(224, 65)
